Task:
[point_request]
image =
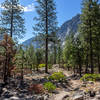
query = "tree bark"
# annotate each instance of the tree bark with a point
(86, 70)
(11, 28)
(46, 52)
(54, 54)
(91, 47)
(99, 64)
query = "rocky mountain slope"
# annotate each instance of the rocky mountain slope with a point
(68, 27)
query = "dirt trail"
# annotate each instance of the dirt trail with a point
(61, 95)
(74, 84)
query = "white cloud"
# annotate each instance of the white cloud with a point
(29, 8)
(1, 7)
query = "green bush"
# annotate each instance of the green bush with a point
(57, 76)
(65, 65)
(49, 86)
(41, 65)
(90, 77)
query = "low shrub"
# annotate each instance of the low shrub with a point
(49, 86)
(41, 65)
(90, 77)
(57, 76)
(65, 65)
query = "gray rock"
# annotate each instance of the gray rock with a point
(76, 89)
(24, 91)
(78, 97)
(4, 89)
(90, 82)
(21, 95)
(40, 98)
(31, 98)
(58, 85)
(65, 97)
(98, 97)
(46, 97)
(14, 98)
(83, 85)
(55, 92)
(7, 94)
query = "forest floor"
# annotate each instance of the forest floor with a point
(72, 89)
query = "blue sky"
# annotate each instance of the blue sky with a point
(66, 9)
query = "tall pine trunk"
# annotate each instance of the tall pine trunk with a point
(46, 52)
(11, 28)
(79, 62)
(86, 69)
(99, 64)
(5, 71)
(90, 42)
(91, 52)
(54, 54)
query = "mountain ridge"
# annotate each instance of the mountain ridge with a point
(65, 29)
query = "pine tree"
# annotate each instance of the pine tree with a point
(96, 36)
(46, 22)
(39, 57)
(11, 18)
(59, 52)
(89, 28)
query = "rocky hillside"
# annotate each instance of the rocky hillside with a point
(68, 27)
(31, 41)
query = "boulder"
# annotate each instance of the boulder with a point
(55, 92)
(76, 89)
(83, 85)
(15, 98)
(21, 95)
(98, 97)
(78, 96)
(7, 94)
(92, 93)
(65, 97)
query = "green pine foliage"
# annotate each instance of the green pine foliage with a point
(89, 30)
(46, 24)
(11, 18)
